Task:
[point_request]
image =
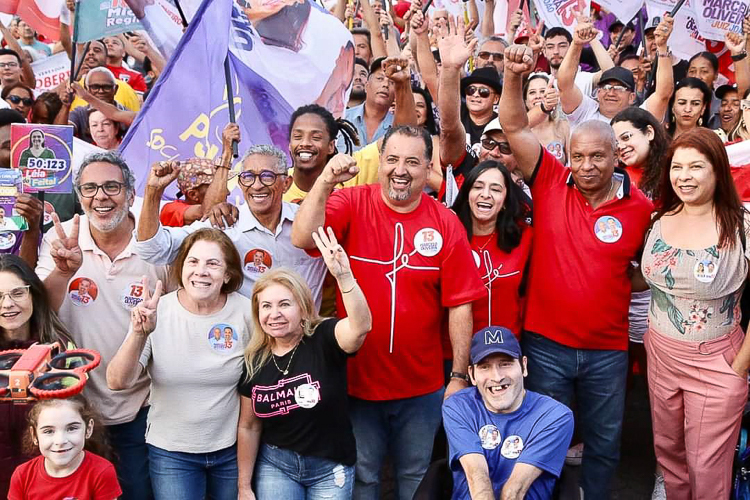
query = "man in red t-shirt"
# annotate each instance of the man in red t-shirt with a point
(115, 55)
(409, 253)
(589, 225)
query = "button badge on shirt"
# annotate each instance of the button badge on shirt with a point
(82, 291)
(490, 437)
(705, 270)
(512, 447)
(222, 338)
(257, 261)
(7, 240)
(428, 242)
(306, 395)
(608, 229)
(131, 295)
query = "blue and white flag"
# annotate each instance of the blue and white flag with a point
(292, 53)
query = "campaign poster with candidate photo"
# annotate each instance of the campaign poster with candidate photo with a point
(10, 220)
(43, 154)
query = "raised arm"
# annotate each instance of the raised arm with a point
(373, 24)
(570, 95)
(512, 112)
(351, 331)
(67, 256)
(603, 59)
(312, 213)
(487, 28)
(161, 175)
(217, 191)
(454, 52)
(425, 60)
(477, 476)
(397, 70)
(658, 102)
(110, 111)
(27, 73)
(737, 45)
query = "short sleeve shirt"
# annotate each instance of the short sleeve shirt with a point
(538, 433)
(306, 410)
(411, 268)
(173, 213)
(579, 286)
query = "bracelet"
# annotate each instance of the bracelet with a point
(460, 375)
(545, 110)
(352, 288)
(221, 163)
(668, 53)
(740, 56)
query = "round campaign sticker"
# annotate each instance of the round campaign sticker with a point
(608, 229)
(257, 261)
(512, 447)
(428, 242)
(705, 270)
(83, 291)
(490, 437)
(222, 338)
(306, 395)
(131, 295)
(7, 240)
(48, 211)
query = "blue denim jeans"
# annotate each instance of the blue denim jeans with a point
(131, 462)
(284, 474)
(597, 381)
(194, 476)
(403, 428)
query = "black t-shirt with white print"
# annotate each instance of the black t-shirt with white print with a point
(306, 411)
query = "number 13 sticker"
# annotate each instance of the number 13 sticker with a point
(131, 295)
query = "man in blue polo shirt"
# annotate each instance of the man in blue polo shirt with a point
(505, 441)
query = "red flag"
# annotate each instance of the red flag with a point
(739, 160)
(42, 15)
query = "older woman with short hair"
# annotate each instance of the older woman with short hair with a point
(192, 422)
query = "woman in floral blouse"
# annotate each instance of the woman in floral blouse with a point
(695, 262)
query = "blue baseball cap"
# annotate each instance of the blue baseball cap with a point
(494, 340)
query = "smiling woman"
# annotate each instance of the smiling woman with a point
(198, 340)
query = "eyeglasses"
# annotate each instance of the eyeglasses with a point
(9, 65)
(105, 87)
(745, 104)
(490, 144)
(484, 92)
(608, 87)
(496, 56)
(27, 101)
(18, 294)
(267, 178)
(110, 188)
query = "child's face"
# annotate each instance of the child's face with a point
(61, 433)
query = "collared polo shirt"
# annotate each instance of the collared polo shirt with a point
(97, 313)
(579, 287)
(356, 115)
(260, 248)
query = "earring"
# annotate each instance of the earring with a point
(700, 121)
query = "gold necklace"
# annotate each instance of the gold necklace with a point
(486, 242)
(285, 372)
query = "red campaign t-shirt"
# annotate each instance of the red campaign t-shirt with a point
(579, 289)
(132, 78)
(411, 267)
(95, 479)
(173, 213)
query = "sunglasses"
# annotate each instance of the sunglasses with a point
(608, 87)
(267, 178)
(490, 144)
(27, 101)
(95, 87)
(745, 104)
(496, 56)
(484, 92)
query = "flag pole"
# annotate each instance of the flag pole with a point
(230, 101)
(182, 14)
(74, 42)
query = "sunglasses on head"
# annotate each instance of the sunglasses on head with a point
(496, 56)
(484, 92)
(490, 144)
(27, 101)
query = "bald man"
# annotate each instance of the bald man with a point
(576, 330)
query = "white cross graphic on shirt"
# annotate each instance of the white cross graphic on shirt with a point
(492, 275)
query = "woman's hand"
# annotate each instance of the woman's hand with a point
(333, 254)
(246, 494)
(143, 316)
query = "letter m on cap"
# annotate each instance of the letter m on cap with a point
(495, 337)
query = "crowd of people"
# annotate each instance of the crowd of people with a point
(455, 281)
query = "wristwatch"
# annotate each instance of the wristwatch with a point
(220, 163)
(460, 375)
(740, 56)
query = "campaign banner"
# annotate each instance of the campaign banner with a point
(561, 13)
(50, 72)
(43, 154)
(10, 187)
(42, 15)
(280, 59)
(717, 17)
(685, 40)
(739, 161)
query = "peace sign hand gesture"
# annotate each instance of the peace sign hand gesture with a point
(143, 316)
(333, 254)
(65, 251)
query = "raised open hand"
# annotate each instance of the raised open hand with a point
(454, 51)
(65, 251)
(333, 254)
(143, 316)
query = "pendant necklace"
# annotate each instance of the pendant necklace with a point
(286, 372)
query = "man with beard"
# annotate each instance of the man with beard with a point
(616, 88)
(362, 45)
(99, 246)
(408, 249)
(490, 53)
(505, 441)
(358, 93)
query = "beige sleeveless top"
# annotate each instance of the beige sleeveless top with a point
(695, 294)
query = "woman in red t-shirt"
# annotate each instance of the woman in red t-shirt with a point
(495, 212)
(62, 430)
